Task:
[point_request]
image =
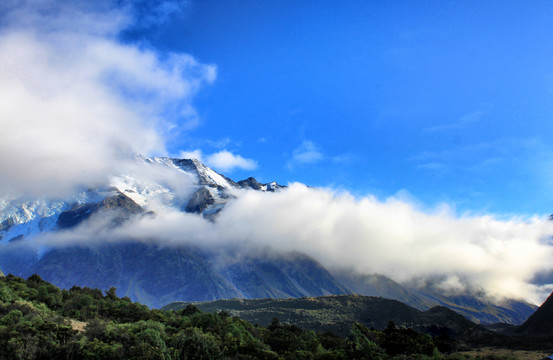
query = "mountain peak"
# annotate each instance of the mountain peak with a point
(250, 183)
(206, 175)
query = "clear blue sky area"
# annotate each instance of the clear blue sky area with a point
(451, 101)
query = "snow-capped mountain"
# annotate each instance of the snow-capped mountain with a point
(23, 217)
(207, 193)
(149, 273)
(156, 275)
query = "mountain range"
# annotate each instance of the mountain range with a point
(156, 274)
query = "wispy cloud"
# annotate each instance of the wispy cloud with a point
(462, 123)
(306, 153)
(434, 166)
(149, 13)
(219, 144)
(483, 157)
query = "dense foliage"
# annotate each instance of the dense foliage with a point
(40, 321)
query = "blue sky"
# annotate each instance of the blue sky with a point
(449, 101)
(441, 102)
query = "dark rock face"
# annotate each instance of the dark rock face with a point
(6, 224)
(16, 238)
(76, 215)
(199, 201)
(120, 202)
(541, 322)
(250, 183)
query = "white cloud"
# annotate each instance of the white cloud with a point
(503, 154)
(391, 237)
(75, 102)
(227, 161)
(223, 160)
(396, 239)
(306, 153)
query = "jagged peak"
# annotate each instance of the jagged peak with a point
(250, 183)
(205, 175)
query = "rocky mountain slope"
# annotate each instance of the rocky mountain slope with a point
(156, 276)
(475, 308)
(541, 322)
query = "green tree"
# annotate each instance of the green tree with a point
(193, 344)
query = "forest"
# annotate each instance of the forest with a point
(41, 321)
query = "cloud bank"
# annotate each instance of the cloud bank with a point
(367, 236)
(76, 101)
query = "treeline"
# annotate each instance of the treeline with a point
(40, 321)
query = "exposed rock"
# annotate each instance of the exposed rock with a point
(120, 202)
(6, 224)
(76, 215)
(16, 238)
(199, 201)
(541, 322)
(250, 183)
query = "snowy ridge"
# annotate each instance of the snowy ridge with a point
(209, 190)
(25, 217)
(272, 186)
(206, 176)
(142, 192)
